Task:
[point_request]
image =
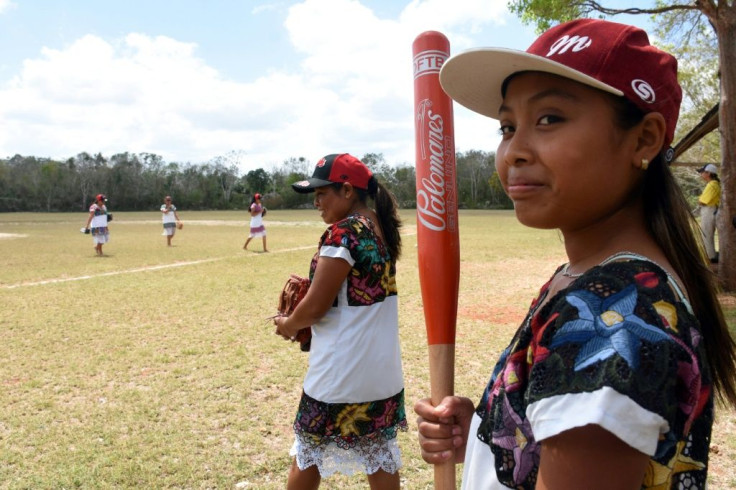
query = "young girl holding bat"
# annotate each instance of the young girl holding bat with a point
(352, 404)
(611, 378)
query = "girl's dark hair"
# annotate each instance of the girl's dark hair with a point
(675, 230)
(387, 211)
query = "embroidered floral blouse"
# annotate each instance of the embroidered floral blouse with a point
(619, 348)
(355, 354)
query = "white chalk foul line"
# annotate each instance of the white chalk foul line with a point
(138, 269)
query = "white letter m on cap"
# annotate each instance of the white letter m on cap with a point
(576, 43)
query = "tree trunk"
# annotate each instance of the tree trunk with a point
(726, 29)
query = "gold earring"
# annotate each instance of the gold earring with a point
(644, 164)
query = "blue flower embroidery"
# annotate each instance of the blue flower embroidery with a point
(606, 327)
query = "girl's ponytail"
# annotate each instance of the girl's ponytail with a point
(676, 231)
(387, 211)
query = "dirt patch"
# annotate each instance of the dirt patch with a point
(486, 313)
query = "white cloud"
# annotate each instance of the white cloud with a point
(352, 91)
(6, 5)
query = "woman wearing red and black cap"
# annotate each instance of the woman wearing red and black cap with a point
(98, 222)
(257, 228)
(352, 404)
(610, 380)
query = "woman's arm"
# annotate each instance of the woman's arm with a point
(89, 220)
(590, 457)
(328, 277)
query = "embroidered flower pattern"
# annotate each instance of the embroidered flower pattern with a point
(516, 435)
(373, 277)
(345, 423)
(99, 211)
(350, 416)
(619, 326)
(606, 327)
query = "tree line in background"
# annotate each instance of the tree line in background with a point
(139, 182)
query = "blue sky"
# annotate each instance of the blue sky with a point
(255, 81)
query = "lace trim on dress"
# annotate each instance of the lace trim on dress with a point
(349, 437)
(368, 455)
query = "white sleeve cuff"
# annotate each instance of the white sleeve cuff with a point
(607, 408)
(337, 253)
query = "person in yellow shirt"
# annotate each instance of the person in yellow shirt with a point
(709, 200)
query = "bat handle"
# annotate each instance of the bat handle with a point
(442, 384)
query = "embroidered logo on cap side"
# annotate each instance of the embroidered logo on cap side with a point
(321, 163)
(643, 90)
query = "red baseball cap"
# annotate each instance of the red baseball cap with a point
(100, 197)
(616, 58)
(337, 168)
(256, 196)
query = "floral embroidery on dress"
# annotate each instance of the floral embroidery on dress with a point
(373, 276)
(619, 326)
(606, 327)
(98, 211)
(346, 423)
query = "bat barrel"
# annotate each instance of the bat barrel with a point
(437, 219)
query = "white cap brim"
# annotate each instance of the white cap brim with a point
(474, 78)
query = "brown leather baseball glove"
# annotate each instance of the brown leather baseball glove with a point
(294, 291)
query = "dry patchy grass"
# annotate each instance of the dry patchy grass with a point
(156, 368)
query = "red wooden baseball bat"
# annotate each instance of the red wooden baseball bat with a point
(438, 243)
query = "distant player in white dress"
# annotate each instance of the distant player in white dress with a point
(170, 219)
(97, 223)
(257, 229)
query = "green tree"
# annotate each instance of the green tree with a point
(257, 181)
(50, 185)
(89, 175)
(126, 184)
(499, 198)
(384, 173)
(698, 74)
(405, 186)
(291, 170)
(154, 177)
(373, 161)
(720, 15)
(226, 178)
(474, 170)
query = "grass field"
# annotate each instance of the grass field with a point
(155, 367)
